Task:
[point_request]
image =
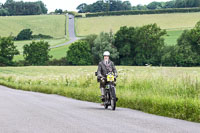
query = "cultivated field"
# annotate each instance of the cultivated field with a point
(53, 25)
(172, 92)
(174, 23)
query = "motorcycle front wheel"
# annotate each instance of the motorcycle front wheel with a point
(106, 101)
(113, 104)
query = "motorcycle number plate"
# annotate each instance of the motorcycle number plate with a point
(110, 78)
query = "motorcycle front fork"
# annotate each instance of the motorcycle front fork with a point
(112, 90)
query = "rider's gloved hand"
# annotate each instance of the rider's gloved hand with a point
(116, 75)
(99, 76)
(102, 79)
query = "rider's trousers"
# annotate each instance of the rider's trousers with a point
(103, 86)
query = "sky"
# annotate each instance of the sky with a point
(71, 5)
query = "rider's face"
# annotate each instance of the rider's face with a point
(106, 57)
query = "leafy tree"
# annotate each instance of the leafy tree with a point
(194, 38)
(154, 5)
(4, 12)
(103, 6)
(187, 3)
(189, 47)
(79, 53)
(7, 51)
(59, 11)
(98, 6)
(90, 39)
(191, 38)
(82, 8)
(149, 43)
(186, 57)
(24, 8)
(141, 7)
(169, 56)
(25, 34)
(104, 42)
(140, 46)
(187, 50)
(37, 53)
(126, 5)
(169, 4)
(180, 4)
(1, 5)
(125, 43)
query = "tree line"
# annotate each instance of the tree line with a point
(11, 8)
(140, 12)
(132, 46)
(118, 5)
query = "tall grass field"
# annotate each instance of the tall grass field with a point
(171, 92)
(174, 23)
(53, 25)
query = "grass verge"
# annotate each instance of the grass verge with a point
(171, 92)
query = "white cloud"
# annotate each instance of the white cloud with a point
(72, 4)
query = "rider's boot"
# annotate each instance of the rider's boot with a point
(103, 98)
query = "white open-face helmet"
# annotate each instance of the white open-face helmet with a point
(106, 53)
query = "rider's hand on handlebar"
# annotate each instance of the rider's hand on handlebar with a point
(102, 78)
(99, 76)
(116, 75)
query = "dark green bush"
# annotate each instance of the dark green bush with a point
(79, 16)
(37, 53)
(12, 7)
(79, 53)
(4, 12)
(58, 62)
(25, 34)
(7, 51)
(41, 36)
(140, 46)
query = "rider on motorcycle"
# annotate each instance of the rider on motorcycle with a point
(104, 68)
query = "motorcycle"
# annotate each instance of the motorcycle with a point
(110, 94)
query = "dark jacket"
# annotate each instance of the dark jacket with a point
(104, 69)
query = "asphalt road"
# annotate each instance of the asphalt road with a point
(72, 35)
(30, 112)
